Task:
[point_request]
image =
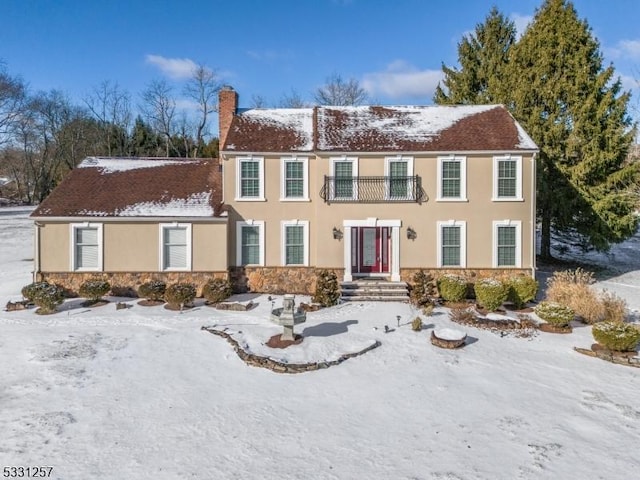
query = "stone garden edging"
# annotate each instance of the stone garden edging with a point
(281, 367)
(630, 359)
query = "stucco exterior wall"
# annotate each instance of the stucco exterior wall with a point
(479, 211)
(134, 247)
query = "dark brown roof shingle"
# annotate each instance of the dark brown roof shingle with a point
(137, 187)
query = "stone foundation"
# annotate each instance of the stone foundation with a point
(123, 282)
(277, 280)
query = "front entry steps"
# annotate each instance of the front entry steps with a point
(374, 290)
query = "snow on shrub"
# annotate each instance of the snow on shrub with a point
(217, 290)
(180, 294)
(522, 289)
(327, 291)
(491, 293)
(616, 336)
(153, 290)
(423, 289)
(94, 289)
(554, 313)
(452, 288)
(29, 291)
(48, 298)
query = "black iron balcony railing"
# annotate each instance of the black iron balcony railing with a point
(372, 189)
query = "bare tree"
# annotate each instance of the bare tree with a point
(292, 100)
(202, 88)
(258, 101)
(111, 106)
(339, 92)
(13, 94)
(159, 108)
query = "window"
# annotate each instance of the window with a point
(86, 246)
(452, 244)
(175, 241)
(399, 171)
(294, 179)
(295, 242)
(507, 178)
(344, 171)
(452, 178)
(506, 243)
(250, 178)
(250, 241)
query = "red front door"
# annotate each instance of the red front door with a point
(370, 250)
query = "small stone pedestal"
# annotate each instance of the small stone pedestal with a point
(448, 338)
(288, 317)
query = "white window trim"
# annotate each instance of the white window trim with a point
(163, 226)
(249, 223)
(518, 196)
(387, 173)
(72, 257)
(283, 183)
(283, 242)
(507, 223)
(463, 242)
(239, 161)
(463, 178)
(354, 172)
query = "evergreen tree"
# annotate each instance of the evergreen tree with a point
(483, 57)
(144, 141)
(577, 114)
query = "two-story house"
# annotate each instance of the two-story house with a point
(368, 192)
(375, 191)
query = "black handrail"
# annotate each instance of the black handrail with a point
(373, 189)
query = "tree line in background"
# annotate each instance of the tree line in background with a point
(44, 135)
(553, 81)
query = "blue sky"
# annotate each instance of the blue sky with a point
(393, 47)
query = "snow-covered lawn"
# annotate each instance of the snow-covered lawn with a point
(144, 393)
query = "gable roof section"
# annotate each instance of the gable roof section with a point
(378, 129)
(137, 187)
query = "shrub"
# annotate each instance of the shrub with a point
(616, 336)
(327, 291)
(217, 290)
(522, 289)
(491, 293)
(452, 288)
(573, 289)
(615, 308)
(153, 290)
(94, 289)
(416, 324)
(554, 313)
(180, 294)
(30, 291)
(47, 298)
(463, 315)
(428, 309)
(423, 289)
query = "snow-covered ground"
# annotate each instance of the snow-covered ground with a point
(143, 393)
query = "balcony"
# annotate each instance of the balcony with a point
(373, 190)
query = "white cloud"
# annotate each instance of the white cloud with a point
(629, 49)
(176, 68)
(521, 22)
(401, 79)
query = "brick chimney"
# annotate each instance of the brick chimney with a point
(227, 108)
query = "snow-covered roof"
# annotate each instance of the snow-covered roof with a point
(378, 129)
(137, 187)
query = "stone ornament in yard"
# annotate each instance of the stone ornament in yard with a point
(287, 316)
(448, 338)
